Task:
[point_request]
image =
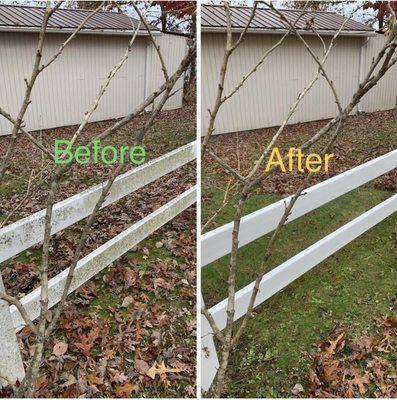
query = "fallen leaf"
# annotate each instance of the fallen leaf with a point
(141, 366)
(161, 370)
(119, 377)
(87, 341)
(360, 381)
(94, 379)
(333, 344)
(361, 347)
(385, 345)
(298, 388)
(60, 349)
(388, 321)
(71, 380)
(330, 368)
(127, 301)
(126, 390)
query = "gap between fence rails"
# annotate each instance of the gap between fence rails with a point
(103, 256)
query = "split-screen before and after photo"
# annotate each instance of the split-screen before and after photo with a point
(198, 199)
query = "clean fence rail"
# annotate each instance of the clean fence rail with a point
(29, 231)
(217, 243)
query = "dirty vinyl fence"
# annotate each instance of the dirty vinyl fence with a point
(29, 231)
(218, 242)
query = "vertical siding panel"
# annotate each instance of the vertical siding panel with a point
(384, 95)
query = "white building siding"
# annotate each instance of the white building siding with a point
(173, 48)
(67, 89)
(384, 95)
(267, 96)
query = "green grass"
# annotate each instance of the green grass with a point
(14, 185)
(349, 288)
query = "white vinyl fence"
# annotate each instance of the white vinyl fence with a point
(217, 243)
(29, 231)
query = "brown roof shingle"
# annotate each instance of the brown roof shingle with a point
(65, 19)
(213, 17)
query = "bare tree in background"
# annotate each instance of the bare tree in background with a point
(41, 328)
(382, 62)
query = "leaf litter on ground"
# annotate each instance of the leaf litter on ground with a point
(356, 368)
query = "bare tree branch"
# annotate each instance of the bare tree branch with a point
(14, 301)
(37, 69)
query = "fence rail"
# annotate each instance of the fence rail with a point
(217, 243)
(29, 231)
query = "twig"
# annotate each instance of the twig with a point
(226, 166)
(14, 301)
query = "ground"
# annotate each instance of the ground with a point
(130, 331)
(349, 292)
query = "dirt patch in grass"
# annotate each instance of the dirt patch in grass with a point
(139, 311)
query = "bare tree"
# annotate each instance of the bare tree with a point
(381, 63)
(41, 328)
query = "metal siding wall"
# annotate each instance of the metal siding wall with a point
(384, 95)
(173, 48)
(67, 89)
(267, 96)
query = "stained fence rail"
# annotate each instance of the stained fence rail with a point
(29, 231)
(217, 243)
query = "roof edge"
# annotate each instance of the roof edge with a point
(109, 32)
(278, 8)
(283, 31)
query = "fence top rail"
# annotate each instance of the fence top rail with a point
(217, 243)
(29, 231)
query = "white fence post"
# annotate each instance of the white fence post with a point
(209, 358)
(11, 364)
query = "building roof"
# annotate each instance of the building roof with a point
(213, 19)
(29, 19)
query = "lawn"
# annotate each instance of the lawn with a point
(346, 291)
